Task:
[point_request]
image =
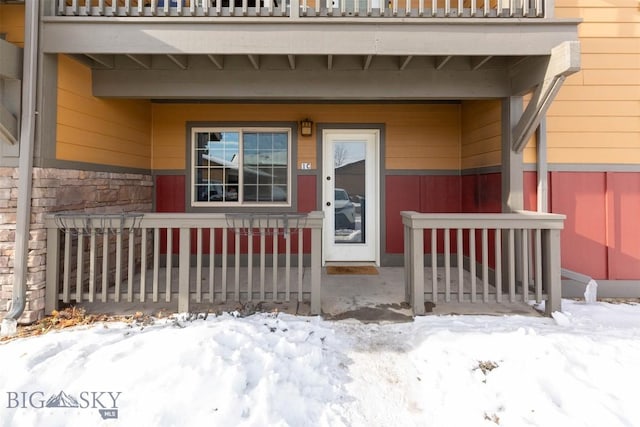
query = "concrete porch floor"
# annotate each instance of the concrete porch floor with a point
(368, 298)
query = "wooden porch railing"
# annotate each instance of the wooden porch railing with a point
(305, 8)
(512, 256)
(219, 257)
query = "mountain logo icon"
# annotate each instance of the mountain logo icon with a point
(62, 400)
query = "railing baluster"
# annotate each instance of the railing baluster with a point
(79, 265)
(225, 243)
(205, 7)
(287, 270)
(317, 6)
(498, 252)
(198, 260)
(472, 262)
(460, 262)
(143, 264)
(219, 11)
(486, 5)
(343, 6)
(300, 263)
(512, 266)
(447, 7)
(485, 265)
(92, 265)
(473, 8)
(525, 8)
(421, 8)
(512, 7)
(407, 8)
(434, 263)
(539, 8)
(105, 262)
(460, 8)
(118, 283)
(166, 6)
(236, 293)
(263, 260)
(525, 265)
(212, 263)
(169, 263)
(156, 263)
(66, 297)
(75, 8)
(395, 7)
(250, 264)
(140, 7)
(538, 265)
(131, 265)
(127, 7)
(447, 265)
(275, 264)
(114, 7)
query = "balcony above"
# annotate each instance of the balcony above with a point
(421, 48)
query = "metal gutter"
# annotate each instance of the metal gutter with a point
(25, 168)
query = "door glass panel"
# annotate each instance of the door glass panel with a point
(349, 191)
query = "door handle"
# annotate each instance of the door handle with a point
(328, 178)
(328, 203)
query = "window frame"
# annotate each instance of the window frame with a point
(195, 129)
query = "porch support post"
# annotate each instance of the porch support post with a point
(512, 168)
(551, 270)
(316, 253)
(512, 182)
(52, 275)
(183, 270)
(543, 181)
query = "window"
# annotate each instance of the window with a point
(240, 166)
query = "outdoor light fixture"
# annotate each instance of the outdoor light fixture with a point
(306, 126)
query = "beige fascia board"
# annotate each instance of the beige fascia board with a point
(244, 36)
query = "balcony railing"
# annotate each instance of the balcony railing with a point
(183, 258)
(304, 8)
(482, 258)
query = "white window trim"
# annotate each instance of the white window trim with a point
(240, 130)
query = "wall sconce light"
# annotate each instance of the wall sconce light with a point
(306, 127)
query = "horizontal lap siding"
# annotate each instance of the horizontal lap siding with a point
(418, 136)
(12, 23)
(481, 134)
(97, 130)
(596, 115)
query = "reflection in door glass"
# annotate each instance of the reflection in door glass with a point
(349, 200)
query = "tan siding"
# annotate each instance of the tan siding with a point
(596, 116)
(417, 136)
(12, 23)
(94, 130)
(481, 134)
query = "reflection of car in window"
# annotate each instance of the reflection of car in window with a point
(345, 211)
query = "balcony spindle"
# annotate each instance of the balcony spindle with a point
(263, 261)
(512, 266)
(118, 264)
(92, 265)
(300, 263)
(225, 261)
(538, 261)
(236, 283)
(143, 264)
(250, 265)
(105, 263)
(525, 265)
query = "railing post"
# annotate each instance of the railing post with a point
(414, 256)
(183, 270)
(551, 270)
(53, 260)
(408, 280)
(316, 251)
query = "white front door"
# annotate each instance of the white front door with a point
(350, 195)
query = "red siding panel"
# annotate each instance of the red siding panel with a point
(439, 194)
(170, 193)
(581, 197)
(402, 194)
(481, 193)
(623, 225)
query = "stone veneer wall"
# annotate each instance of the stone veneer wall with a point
(58, 190)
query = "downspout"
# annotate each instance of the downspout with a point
(25, 168)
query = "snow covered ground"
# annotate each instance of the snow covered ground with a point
(581, 368)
